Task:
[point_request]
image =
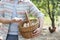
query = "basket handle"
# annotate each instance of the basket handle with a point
(27, 18)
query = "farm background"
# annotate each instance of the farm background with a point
(45, 34)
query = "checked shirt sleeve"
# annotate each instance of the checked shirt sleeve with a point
(35, 11)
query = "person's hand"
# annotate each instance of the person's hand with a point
(13, 21)
(36, 32)
(16, 20)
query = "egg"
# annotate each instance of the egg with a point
(26, 25)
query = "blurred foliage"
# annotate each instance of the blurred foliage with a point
(42, 5)
(50, 8)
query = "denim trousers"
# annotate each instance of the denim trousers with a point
(12, 37)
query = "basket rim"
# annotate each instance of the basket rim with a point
(31, 25)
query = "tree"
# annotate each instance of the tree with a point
(50, 7)
(51, 13)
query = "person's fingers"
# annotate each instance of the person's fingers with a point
(21, 22)
(34, 31)
(36, 34)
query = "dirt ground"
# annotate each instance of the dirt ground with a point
(46, 35)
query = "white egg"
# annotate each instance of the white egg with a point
(24, 25)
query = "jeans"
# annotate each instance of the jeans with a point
(12, 37)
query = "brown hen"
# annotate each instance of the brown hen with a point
(52, 29)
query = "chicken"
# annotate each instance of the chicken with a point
(52, 29)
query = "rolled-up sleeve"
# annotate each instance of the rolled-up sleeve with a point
(35, 11)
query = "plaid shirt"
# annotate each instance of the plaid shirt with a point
(19, 12)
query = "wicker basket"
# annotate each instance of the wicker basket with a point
(27, 32)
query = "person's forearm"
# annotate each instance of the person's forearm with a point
(41, 20)
(5, 21)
